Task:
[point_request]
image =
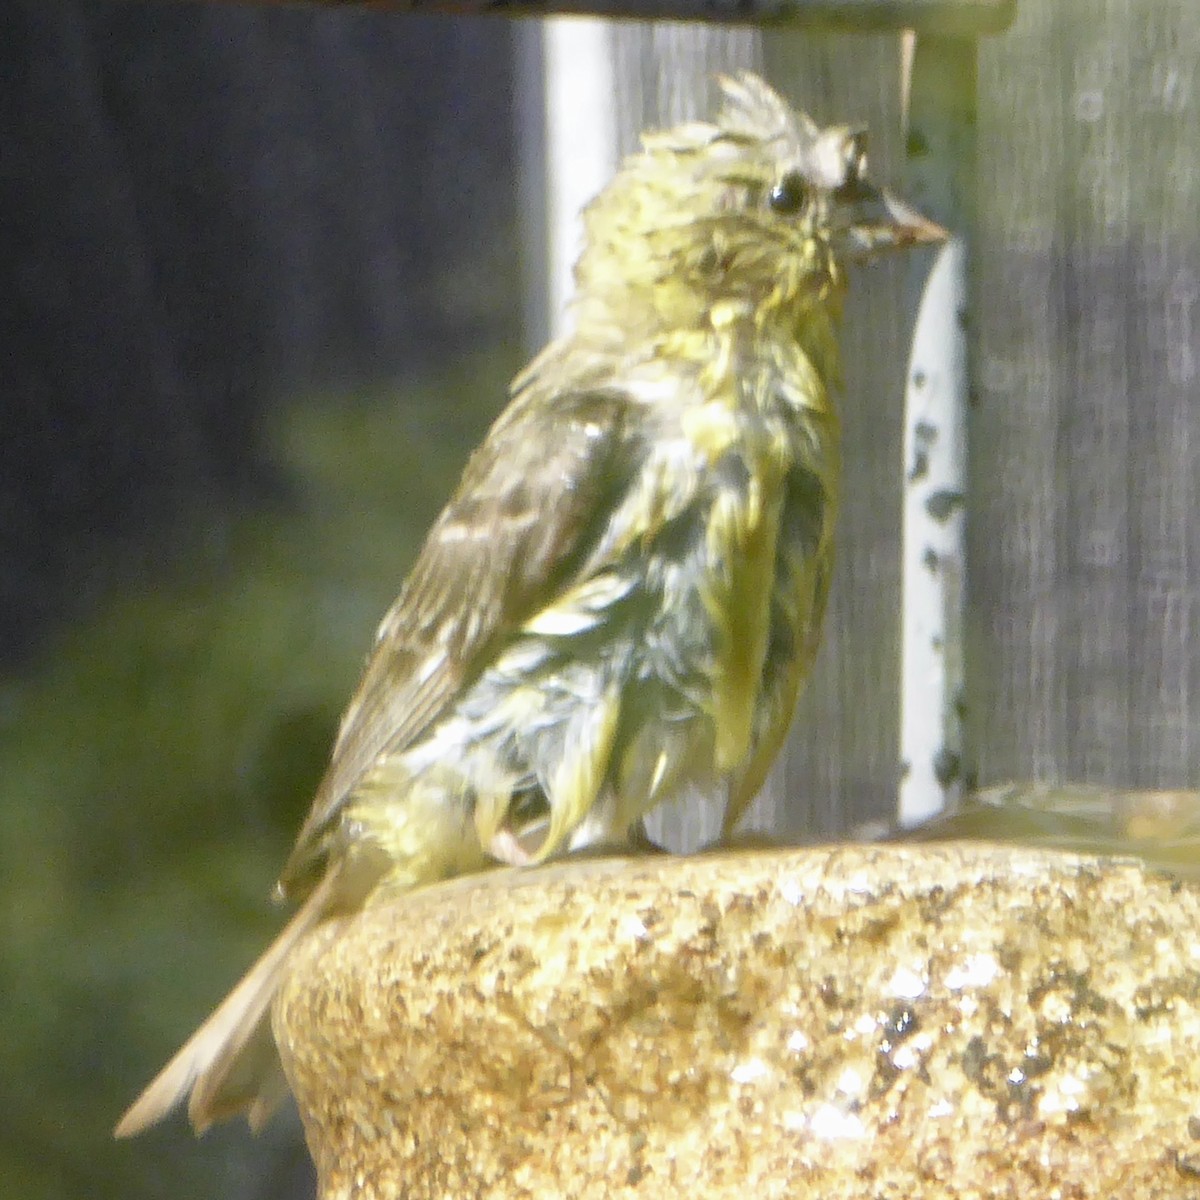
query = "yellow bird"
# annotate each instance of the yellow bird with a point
(621, 599)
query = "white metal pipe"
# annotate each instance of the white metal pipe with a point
(940, 74)
(581, 140)
(933, 564)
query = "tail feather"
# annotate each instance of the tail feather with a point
(230, 1065)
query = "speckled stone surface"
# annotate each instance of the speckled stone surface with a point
(956, 1020)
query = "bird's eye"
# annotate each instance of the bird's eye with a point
(788, 195)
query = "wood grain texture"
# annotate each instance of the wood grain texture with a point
(1084, 549)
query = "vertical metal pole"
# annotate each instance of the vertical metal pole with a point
(581, 139)
(940, 173)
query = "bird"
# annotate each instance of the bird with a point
(619, 603)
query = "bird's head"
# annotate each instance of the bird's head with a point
(760, 208)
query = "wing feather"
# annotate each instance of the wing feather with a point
(532, 500)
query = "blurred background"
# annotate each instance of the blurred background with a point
(258, 269)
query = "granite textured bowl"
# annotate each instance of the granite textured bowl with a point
(958, 1020)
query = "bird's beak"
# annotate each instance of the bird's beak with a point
(879, 221)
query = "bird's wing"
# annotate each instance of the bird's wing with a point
(532, 500)
(805, 567)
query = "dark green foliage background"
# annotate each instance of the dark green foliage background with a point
(156, 763)
(257, 269)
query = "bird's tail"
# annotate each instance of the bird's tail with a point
(230, 1064)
